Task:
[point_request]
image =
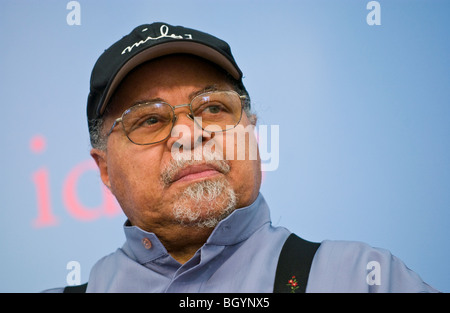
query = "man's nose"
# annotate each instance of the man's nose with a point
(186, 134)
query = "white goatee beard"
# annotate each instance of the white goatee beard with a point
(205, 204)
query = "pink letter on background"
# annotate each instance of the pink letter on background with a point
(41, 181)
(45, 217)
(109, 206)
(38, 144)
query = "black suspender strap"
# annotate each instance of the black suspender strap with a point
(294, 264)
(76, 289)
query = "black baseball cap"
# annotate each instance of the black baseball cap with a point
(147, 42)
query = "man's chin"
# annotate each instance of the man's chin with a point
(205, 204)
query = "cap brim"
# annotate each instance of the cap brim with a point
(163, 49)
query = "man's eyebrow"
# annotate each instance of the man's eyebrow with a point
(143, 101)
(208, 88)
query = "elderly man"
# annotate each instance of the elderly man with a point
(166, 113)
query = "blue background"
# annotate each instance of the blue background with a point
(363, 111)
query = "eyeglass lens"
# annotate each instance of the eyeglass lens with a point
(152, 122)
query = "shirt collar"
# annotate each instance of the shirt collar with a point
(241, 224)
(145, 246)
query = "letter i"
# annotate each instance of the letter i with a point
(41, 181)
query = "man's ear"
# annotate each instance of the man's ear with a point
(253, 119)
(100, 159)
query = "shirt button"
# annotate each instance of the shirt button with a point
(146, 243)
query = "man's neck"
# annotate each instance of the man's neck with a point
(182, 241)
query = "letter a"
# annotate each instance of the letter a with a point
(74, 16)
(374, 16)
(374, 276)
(74, 276)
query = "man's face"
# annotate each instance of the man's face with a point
(154, 187)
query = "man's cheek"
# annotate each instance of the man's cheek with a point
(241, 143)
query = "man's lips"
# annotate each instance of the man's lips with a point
(195, 172)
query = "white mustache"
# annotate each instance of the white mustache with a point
(181, 161)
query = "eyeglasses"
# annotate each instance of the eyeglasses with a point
(152, 122)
